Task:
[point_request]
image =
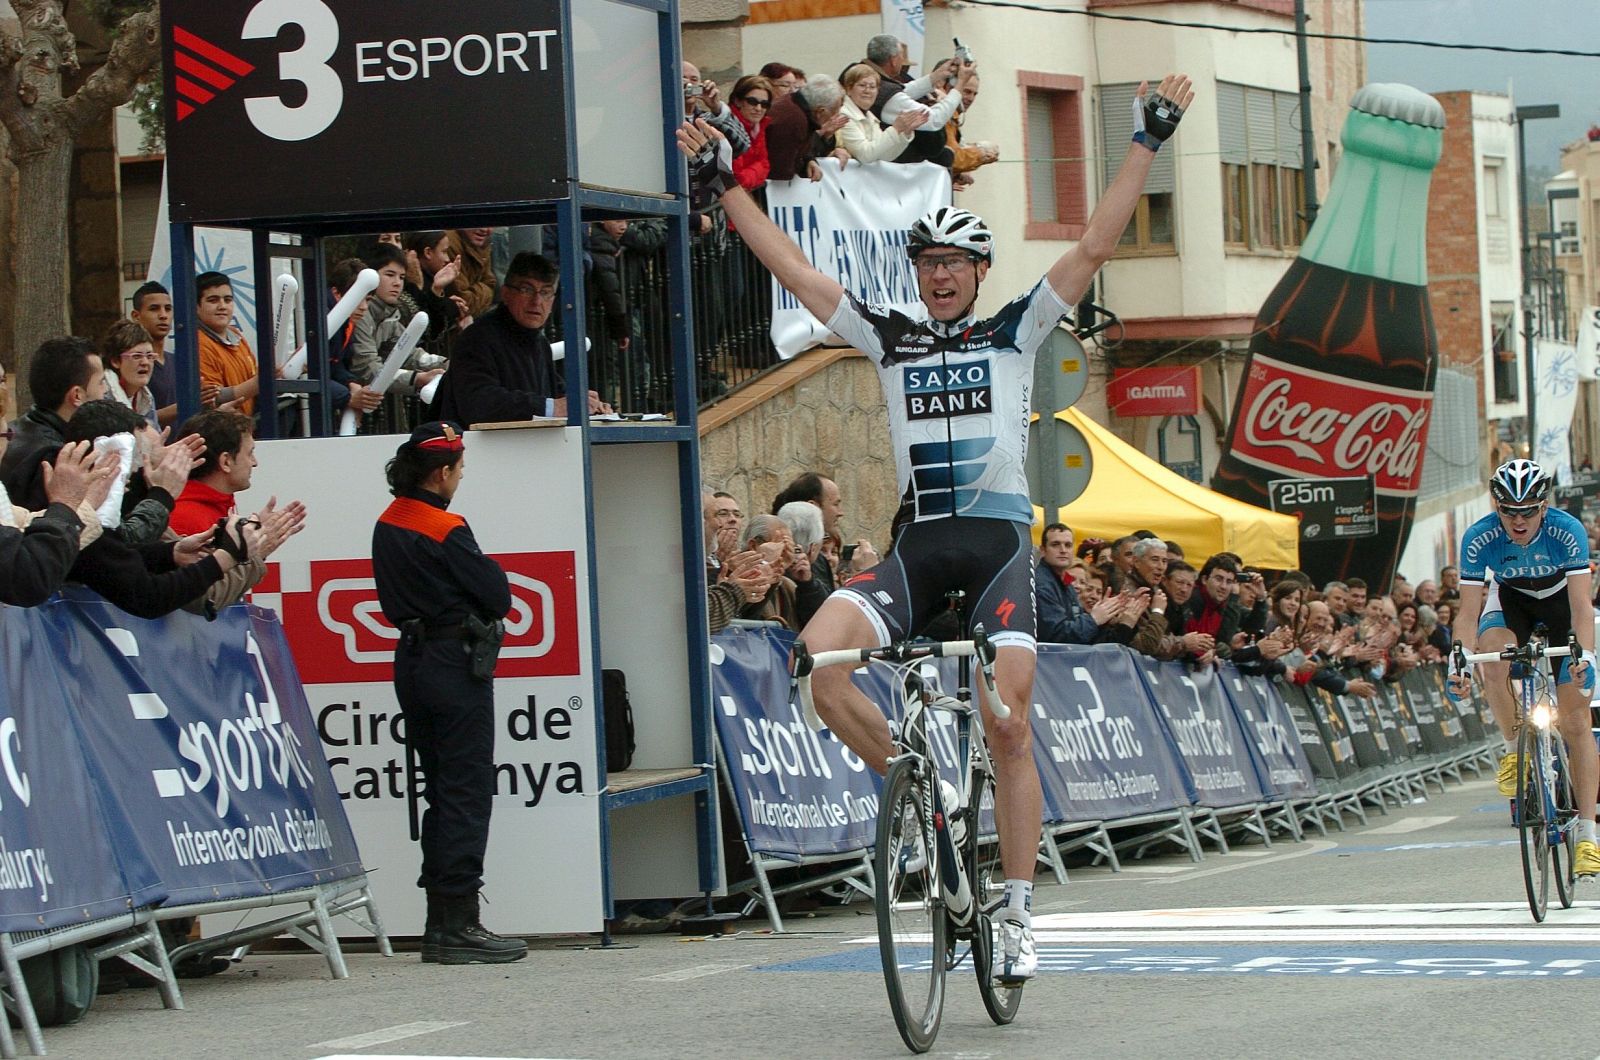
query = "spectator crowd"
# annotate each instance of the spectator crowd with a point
(1142, 591)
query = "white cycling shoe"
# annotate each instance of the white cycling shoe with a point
(1020, 961)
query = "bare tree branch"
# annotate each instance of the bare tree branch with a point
(134, 53)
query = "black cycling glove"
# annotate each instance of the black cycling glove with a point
(1155, 119)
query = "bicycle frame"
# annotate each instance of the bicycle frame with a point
(1541, 770)
(917, 702)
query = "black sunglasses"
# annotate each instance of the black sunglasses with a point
(1520, 511)
(756, 102)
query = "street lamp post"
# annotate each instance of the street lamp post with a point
(1525, 114)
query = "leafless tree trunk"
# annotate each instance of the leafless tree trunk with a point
(43, 124)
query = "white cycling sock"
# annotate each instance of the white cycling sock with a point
(1510, 746)
(1019, 900)
(1586, 831)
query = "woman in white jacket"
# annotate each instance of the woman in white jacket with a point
(863, 135)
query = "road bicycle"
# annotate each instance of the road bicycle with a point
(1546, 815)
(937, 883)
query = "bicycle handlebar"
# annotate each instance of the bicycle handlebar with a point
(805, 663)
(1525, 653)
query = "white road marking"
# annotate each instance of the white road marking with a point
(385, 1035)
(1353, 915)
(1310, 846)
(1410, 824)
(698, 971)
(1156, 870)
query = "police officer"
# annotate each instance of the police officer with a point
(447, 599)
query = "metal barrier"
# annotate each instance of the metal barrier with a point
(732, 299)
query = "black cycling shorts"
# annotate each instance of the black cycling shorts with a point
(990, 559)
(1507, 608)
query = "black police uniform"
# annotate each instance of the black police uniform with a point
(432, 581)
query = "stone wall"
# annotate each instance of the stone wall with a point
(822, 411)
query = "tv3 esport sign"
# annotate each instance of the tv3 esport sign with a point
(305, 108)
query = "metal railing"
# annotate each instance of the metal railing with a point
(731, 294)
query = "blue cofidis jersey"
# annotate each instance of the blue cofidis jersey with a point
(1540, 568)
(958, 396)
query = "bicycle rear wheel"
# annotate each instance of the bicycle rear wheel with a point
(988, 885)
(912, 924)
(1564, 852)
(1532, 827)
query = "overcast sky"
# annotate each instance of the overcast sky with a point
(1573, 83)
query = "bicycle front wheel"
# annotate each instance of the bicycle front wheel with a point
(1532, 824)
(1564, 830)
(911, 916)
(988, 885)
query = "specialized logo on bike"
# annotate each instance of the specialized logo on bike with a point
(938, 390)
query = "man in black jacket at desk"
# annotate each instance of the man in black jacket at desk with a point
(502, 368)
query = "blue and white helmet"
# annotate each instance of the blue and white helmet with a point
(951, 226)
(1519, 482)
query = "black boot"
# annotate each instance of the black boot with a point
(430, 932)
(463, 940)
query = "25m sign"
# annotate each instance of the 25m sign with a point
(297, 108)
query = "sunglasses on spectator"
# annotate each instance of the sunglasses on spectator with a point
(529, 291)
(754, 102)
(1520, 511)
(954, 264)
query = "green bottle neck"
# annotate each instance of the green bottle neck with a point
(1375, 221)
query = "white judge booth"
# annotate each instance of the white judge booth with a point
(553, 112)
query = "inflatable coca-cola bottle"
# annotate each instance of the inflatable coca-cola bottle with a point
(1339, 381)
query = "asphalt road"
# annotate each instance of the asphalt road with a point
(1407, 938)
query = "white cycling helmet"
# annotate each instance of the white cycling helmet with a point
(1520, 483)
(951, 226)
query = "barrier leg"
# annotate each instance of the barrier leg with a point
(369, 920)
(21, 1003)
(1050, 854)
(767, 897)
(1192, 834)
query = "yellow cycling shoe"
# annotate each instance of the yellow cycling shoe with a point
(1586, 859)
(1506, 775)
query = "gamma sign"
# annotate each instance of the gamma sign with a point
(1329, 509)
(305, 108)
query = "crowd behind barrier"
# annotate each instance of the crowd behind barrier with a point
(1135, 755)
(780, 125)
(156, 770)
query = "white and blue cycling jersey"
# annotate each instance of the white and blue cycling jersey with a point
(1539, 569)
(958, 396)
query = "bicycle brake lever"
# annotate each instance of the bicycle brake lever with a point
(800, 669)
(986, 653)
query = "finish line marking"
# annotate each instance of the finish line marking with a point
(1410, 824)
(385, 1035)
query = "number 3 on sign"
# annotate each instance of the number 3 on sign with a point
(306, 65)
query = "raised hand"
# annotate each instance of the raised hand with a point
(77, 472)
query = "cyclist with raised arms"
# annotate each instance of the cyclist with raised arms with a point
(957, 390)
(1522, 566)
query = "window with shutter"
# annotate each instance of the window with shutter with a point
(1258, 141)
(1057, 171)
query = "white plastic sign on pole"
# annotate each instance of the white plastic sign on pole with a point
(284, 289)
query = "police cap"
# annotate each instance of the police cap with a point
(437, 436)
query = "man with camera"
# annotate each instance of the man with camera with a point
(449, 601)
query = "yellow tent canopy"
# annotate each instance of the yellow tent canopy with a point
(1128, 491)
